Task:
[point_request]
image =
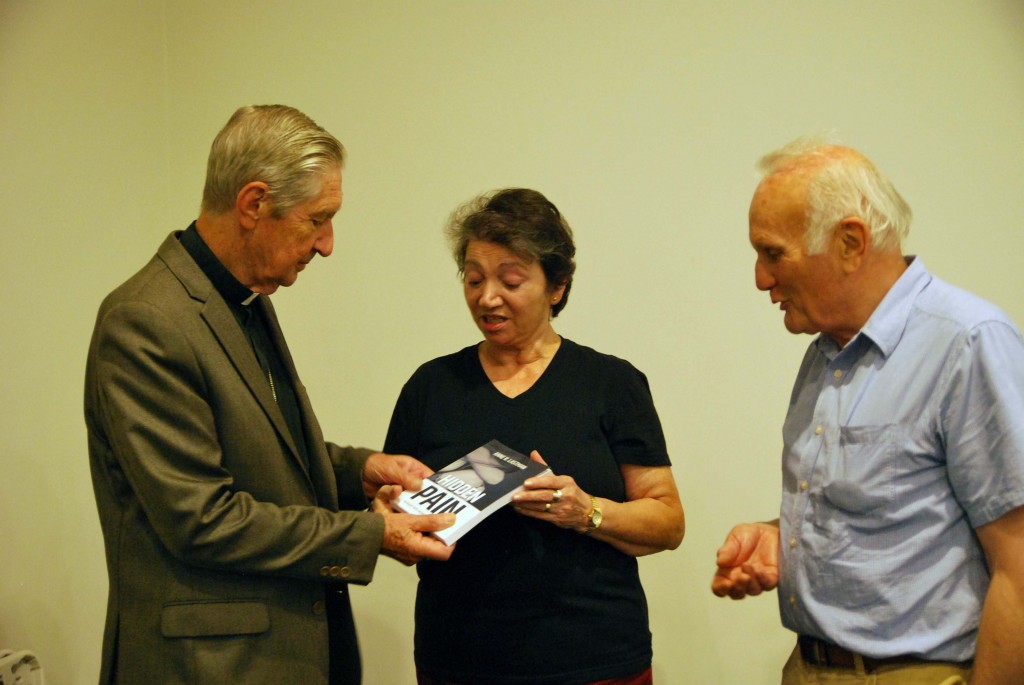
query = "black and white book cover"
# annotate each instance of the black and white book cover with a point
(472, 487)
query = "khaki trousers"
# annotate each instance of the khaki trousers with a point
(799, 672)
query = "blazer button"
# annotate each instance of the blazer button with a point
(325, 571)
(319, 607)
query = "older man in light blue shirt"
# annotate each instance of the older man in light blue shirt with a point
(899, 551)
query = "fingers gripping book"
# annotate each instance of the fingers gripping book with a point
(472, 487)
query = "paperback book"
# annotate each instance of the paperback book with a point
(472, 487)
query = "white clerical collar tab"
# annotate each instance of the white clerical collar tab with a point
(247, 301)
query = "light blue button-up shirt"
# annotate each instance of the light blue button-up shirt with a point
(895, 448)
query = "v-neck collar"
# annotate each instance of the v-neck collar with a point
(533, 390)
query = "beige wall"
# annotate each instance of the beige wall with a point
(640, 120)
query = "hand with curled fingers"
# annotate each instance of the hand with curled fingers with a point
(407, 536)
(393, 469)
(556, 499)
(748, 561)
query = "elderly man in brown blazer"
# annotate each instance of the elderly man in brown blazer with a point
(232, 529)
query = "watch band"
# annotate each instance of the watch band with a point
(594, 517)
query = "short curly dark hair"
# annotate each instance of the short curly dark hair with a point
(525, 222)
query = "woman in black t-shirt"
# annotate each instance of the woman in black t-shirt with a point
(546, 591)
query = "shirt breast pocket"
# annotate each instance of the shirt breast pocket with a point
(854, 521)
(858, 478)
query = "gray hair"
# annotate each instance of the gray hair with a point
(843, 185)
(277, 145)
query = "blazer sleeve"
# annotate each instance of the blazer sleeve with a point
(242, 506)
(348, 463)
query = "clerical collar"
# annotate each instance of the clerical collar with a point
(226, 284)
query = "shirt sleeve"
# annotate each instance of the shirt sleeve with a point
(632, 426)
(983, 422)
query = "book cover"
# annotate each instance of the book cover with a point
(472, 487)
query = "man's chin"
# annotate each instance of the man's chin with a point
(797, 326)
(287, 281)
(270, 288)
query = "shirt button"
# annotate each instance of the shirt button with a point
(838, 373)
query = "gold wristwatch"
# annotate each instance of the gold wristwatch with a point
(594, 518)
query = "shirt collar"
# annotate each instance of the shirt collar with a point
(886, 325)
(226, 284)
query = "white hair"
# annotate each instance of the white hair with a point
(844, 185)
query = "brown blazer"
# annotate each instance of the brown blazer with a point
(224, 551)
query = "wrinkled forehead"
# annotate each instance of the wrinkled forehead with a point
(780, 201)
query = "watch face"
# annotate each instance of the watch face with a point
(595, 519)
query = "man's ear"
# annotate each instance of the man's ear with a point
(853, 237)
(252, 203)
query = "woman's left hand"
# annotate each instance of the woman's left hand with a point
(554, 498)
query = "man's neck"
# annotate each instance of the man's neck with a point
(872, 283)
(225, 238)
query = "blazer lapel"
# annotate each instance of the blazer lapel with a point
(320, 469)
(224, 325)
(225, 328)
